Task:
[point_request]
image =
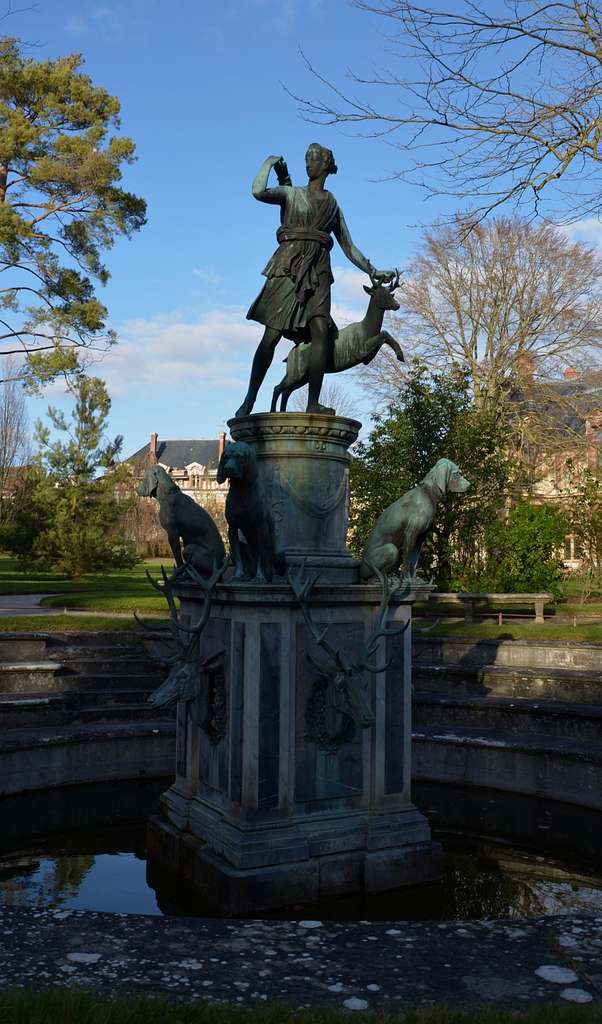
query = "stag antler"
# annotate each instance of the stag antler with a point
(394, 281)
(379, 629)
(302, 588)
(176, 628)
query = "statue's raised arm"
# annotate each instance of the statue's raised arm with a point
(260, 188)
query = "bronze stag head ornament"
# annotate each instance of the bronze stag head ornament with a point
(342, 695)
(186, 666)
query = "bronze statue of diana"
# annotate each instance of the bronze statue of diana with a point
(294, 302)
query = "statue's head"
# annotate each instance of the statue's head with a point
(156, 481)
(446, 477)
(319, 160)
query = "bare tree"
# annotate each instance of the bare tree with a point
(497, 100)
(14, 437)
(512, 303)
(333, 395)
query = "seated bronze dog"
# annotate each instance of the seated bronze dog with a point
(400, 531)
(180, 516)
(250, 523)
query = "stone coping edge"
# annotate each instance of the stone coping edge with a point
(35, 738)
(357, 965)
(505, 642)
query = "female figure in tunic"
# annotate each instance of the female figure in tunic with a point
(294, 302)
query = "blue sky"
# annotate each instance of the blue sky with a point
(201, 90)
(200, 85)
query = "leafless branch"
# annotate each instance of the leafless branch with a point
(510, 99)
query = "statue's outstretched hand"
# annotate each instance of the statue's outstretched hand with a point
(382, 276)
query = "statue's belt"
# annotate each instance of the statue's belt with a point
(304, 235)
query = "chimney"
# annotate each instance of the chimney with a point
(570, 373)
(593, 425)
(221, 444)
(152, 448)
(525, 363)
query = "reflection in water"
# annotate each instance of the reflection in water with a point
(106, 871)
(46, 882)
(469, 891)
(113, 882)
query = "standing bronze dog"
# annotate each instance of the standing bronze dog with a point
(400, 531)
(255, 554)
(180, 516)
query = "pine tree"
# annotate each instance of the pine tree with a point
(69, 514)
(61, 204)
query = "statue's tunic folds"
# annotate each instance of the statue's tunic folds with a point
(298, 274)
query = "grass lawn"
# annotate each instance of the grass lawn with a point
(128, 590)
(71, 1006)
(125, 590)
(593, 608)
(68, 624)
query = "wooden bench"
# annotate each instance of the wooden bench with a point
(469, 600)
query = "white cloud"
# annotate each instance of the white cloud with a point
(283, 14)
(214, 349)
(349, 286)
(75, 26)
(587, 230)
(175, 351)
(108, 16)
(349, 300)
(207, 276)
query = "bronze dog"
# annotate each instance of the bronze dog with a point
(255, 555)
(180, 516)
(400, 531)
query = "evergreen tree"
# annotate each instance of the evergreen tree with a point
(68, 515)
(61, 204)
(523, 550)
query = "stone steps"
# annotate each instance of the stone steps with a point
(509, 714)
(101, 683)
(536, 764)
(26, 710)
(46, 710)
(25, 676)
(22, 648)
(581, 686)
(102, 665)
(75, 679)
(115, 696)
(474, 653)
(121, 713)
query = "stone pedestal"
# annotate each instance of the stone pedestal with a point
(303, 470)
(271, 804)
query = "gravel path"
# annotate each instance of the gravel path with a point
(25, 604)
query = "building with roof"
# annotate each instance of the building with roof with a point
(567, 441)
(192, 465)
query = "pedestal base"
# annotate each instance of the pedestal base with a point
(234, 891)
